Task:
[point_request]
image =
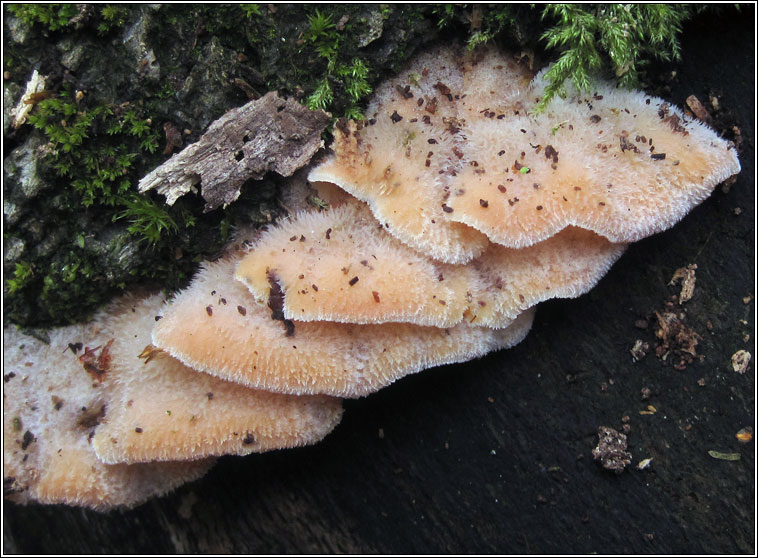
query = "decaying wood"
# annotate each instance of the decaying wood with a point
(269, 134)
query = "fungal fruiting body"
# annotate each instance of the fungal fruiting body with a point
(402, 159)
(341, 265)
(619, 163)
(186, 415)
(438, 152)
(95, 419)
(239, 341)
(51, 405)
(436, 226)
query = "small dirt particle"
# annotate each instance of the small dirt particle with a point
(639, 350)
(685, 275)
(611, 449)
(741, 361)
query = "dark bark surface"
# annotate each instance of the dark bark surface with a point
(494, 456)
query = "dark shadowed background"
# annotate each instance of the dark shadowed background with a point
(494, 456)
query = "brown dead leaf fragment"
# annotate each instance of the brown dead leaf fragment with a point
(98, 365)
(268, 134)
(685, 275)
(639, 350)
(173, 137)
(90, 417)
(697, 108)
(276, 304)
(150, 352)
(676, 339)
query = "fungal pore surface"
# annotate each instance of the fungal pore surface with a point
(100, 418)
(51, 408)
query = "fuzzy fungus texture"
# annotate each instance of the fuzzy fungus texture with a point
(402, 159)
(245, 342)
(51, 408)
(456, 141)
(316, 258)
(159, 409)
(100, 418)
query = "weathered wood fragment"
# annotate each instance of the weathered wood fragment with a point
(268, 134)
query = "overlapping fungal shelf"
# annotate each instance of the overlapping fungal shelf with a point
(447, 155)
(444, 218)
(98, 417)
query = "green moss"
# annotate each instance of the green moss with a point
(251, 10)
(21, 276)
(147, 221)
(66, 286)
(113, 17)
(94, 155)
(56, 17)
(94, 147)
(50, 16)
(622, 37)
(584, 39)
(323, 37)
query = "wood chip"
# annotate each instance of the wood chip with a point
(268, 134)
(740, 361)
(685, 275)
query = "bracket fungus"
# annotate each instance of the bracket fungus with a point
(182, 414)
(51, 406)
(340, 265)
(471, 150)
(239, 340)
(101, 427)
(472, 207)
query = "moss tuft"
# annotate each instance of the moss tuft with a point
(51, 16)
(622, 37)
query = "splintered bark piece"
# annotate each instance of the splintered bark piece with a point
(268, 134)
